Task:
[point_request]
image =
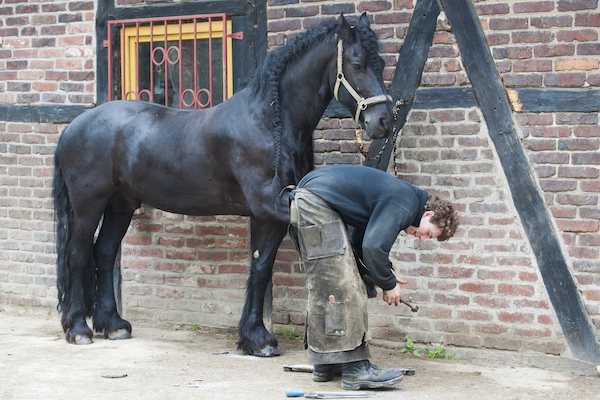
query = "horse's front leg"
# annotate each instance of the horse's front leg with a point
(266, 236)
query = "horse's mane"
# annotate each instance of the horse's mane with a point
(268, 75)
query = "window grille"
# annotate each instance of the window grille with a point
(179, 62)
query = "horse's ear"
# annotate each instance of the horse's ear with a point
(345, 31)
(364, 20)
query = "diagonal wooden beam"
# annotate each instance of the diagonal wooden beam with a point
(409, 69)
(526, 193)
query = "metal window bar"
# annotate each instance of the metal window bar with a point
(130, 80)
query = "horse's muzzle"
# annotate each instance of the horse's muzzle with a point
(378, 120)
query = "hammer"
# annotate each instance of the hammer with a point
(413, 307)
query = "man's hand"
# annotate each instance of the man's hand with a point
(399, 280)
(392, 296)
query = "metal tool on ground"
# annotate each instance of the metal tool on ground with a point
(290, 392)
(310, 368)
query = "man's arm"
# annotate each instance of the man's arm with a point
(385, 223)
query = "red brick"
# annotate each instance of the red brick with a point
(520, 52)
(516, 290)
(451, 299)
(373, 5)
(565, 79)
(528, 276)
(135, 264)
(212, 283)
(556, 185)
(169, 266)
(143, 227)
(516, 317)
(577, 199)
(170, 241)
(578, 172)
(508, 23)
(550, 22)
(583, 252)
(283, 25)
(212, 256)
(210, 230)
(592, 295)
(451, 326)
(532, 37)
(501, 275)
(576, 5)
(583, 35)
(532, 66)
(526, 303)
(455, 272)
(556, 50)
(533, 7)
(205, 243)
(564, 212)
(149, 252)
(555, 348)
(494, 329)
(585, 19)
(516, 80)
(476, 287)
(233, 269)
(588, 49)
(437, 312)
(232, 243)
(289, 280)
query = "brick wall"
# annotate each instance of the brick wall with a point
(481, 289)
(27, 250)
(46, 55)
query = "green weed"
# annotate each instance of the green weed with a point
(438, 352)
(291, 332)
(194, 326)
(410, 347)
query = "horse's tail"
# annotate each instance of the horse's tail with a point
(63, 216)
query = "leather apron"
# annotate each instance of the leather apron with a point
(326, 251)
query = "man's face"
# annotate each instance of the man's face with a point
(426, 229)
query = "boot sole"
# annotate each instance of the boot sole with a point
(370, 384)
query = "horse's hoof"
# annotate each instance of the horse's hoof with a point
(82, 339)
(119, 334)
(268, 351)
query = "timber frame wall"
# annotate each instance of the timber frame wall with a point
(502, 120)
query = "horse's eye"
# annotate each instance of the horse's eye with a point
(356, 67)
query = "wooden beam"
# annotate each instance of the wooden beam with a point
(409, 69)
(527, 196)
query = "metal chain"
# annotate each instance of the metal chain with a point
(365, 154)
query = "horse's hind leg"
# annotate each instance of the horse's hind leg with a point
(266, 236)
(117, 217)
(81, 276)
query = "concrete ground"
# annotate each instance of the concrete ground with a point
(163, 362)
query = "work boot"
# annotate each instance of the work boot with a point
(362, 374)
(326, 372)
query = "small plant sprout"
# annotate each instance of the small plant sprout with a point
(194, 326)
(410, 347)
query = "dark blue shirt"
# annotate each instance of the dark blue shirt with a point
(376, 204)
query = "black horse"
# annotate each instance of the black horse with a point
(230, 159)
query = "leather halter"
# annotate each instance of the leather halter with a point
(361, 102)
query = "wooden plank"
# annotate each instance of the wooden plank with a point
(51, 113)
(409, 69)
(527, 196)
(555, 100)
(444, 97)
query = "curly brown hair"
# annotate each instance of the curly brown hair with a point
(445, 216)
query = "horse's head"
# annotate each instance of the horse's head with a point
(359, 83)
